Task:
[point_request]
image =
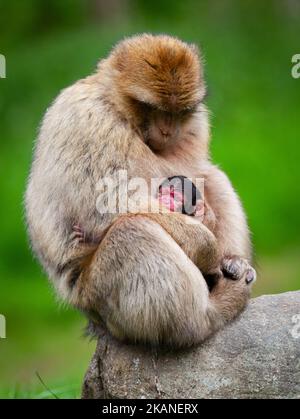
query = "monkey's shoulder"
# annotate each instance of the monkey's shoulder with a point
(76, 105)
(77, 119)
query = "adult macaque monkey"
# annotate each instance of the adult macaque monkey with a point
(141, 275)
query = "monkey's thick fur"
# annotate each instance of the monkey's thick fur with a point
(144, 280)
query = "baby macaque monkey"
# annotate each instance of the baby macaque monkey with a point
(176, 194)
(141, 276)
(179, 194)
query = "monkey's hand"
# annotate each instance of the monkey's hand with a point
(235, 268)
(80, 236)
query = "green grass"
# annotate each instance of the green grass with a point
(43, 338)
(254, 104)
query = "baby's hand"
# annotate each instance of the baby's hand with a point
(200, 210)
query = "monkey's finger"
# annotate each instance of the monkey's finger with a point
(77, 236)
(231, 269)
(250, 276)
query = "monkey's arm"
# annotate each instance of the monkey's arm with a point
(231, 229)
(195, 239)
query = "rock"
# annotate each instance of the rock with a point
(257, 356)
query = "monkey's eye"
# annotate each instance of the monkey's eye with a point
(142, 106)
(187, 112)
(147, 107)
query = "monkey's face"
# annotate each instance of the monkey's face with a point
(161, 129)
(158, 81)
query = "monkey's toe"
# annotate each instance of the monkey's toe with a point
(237, 268)
(250, 276)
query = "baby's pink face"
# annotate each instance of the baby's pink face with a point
(174, 200)
(171, 198)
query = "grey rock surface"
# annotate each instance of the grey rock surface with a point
(257, 356)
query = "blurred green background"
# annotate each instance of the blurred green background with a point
(254, 103)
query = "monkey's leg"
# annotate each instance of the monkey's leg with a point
(145, 288)
(195, 239)
(229, 298)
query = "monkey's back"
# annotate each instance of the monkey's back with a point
(79, 144)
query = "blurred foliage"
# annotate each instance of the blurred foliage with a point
(21, 21)
(254, 105)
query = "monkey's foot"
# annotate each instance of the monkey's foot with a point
(237, 268)
(212, 278)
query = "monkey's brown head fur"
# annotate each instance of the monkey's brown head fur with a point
(156, 83)
(159, 70)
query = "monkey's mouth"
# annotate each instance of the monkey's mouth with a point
(157, 143)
